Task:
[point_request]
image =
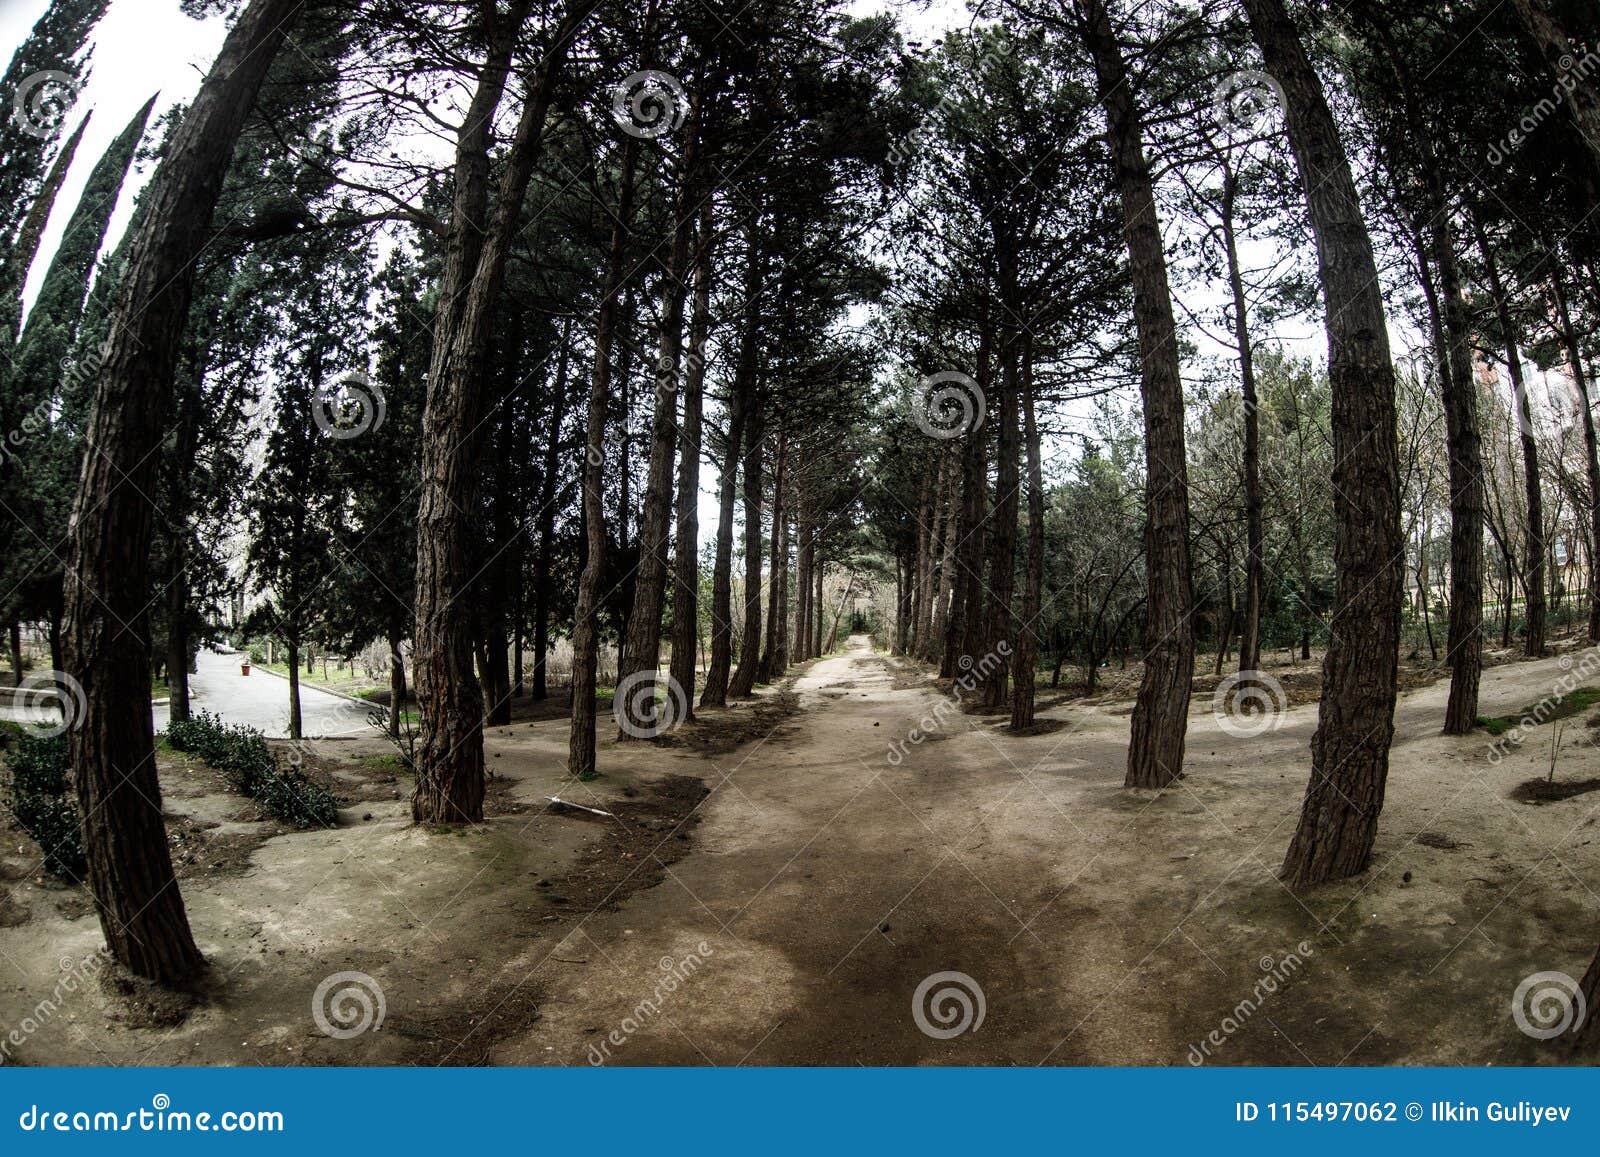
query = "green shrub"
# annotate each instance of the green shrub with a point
(41, 801)
(241, 754)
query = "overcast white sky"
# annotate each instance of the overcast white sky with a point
(140, 46)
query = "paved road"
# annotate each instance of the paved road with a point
(262, 701)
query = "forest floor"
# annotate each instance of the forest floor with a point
(773, 887)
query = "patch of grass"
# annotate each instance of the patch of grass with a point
(1577, 700)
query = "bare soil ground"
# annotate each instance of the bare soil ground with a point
(772, 886)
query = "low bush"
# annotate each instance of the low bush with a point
(241, 754)
(41, 800)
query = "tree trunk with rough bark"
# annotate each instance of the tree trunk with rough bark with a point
(545, 559)
(1161, 711)
(106, 644)
(719, 667)
(586, 612)
(1350, 749)
(1026, 656)
(1254, 533)
(449, 763)
(1535, 584)
(744, 676)
(686, 560)
(1591, 447)
(640, 653)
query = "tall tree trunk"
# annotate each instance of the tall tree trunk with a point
(744, 676)
(1161, 711)
(739, 403)
(641, 649)
(1535, 584)
(686, 560)
(449, 763)
(1003, 549)
(1026, 656)
(397, 680)
(296, 730)
(15, 632)
(1350, 749)
(1254, 534)
(586, 612)
(947, 562)
(1464, 643)
(1591, 448)
(770, 654)
(107, 646)
(963, 629)
(545, 559)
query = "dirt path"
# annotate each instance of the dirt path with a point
(791, 915)
(1101, 926)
